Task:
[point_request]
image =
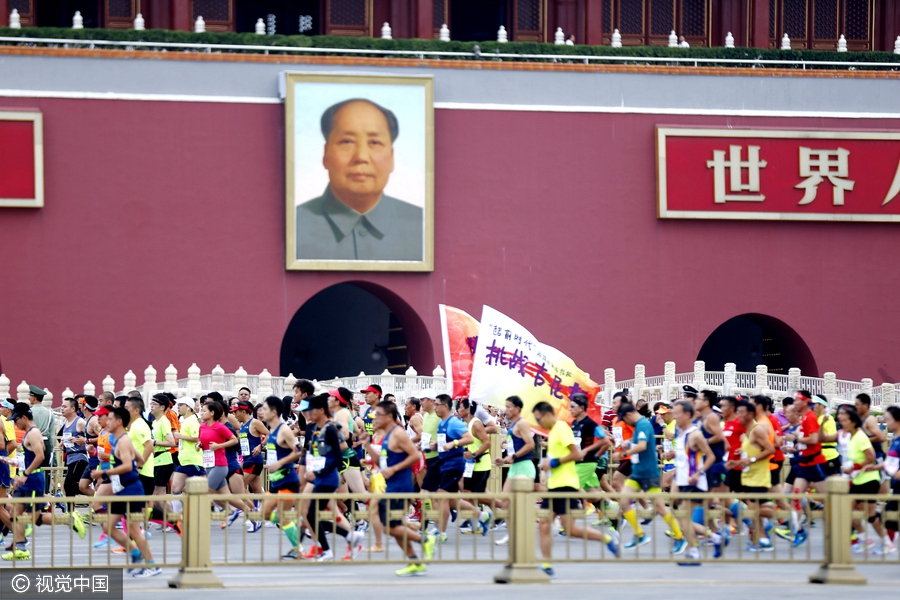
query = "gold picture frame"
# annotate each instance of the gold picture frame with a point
(327, 240)
(37, 120)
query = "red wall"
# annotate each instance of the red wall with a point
(162, 241)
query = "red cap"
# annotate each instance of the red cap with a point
(103, 410)
(244, 406)
(371, 388)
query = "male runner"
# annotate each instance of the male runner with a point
(591, 440)
(641, 449)
(518, 449)
(756, 452)
(123, 474)
(414, 423)
(810, 468)
(828, 432)
(873, 431)
(478, 454)
(562, 454)
(30, 484)
(666, 422)
(693, 459)
(251, 434)
(76, 452)
(142, 437)
(395, 457)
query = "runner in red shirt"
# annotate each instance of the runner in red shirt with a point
(810, 470)
(733, 431)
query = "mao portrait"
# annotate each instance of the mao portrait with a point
(360, 173)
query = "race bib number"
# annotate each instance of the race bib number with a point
(20, 461)
(617, 435)
(578, 441)
(426, 441)
(667, 445)
(67, 440)
(116, 484)
(382, 461)
(892, 465)
(470, 468)
(510, 447)
(635, 458)
(442, 439)
(180, 445)
(318, 463)
(309, 462)
(209, 459)
(245, 446)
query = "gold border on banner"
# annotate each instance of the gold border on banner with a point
(37, 118)
(662, 209)
(291, 261)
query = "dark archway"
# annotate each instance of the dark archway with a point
(287, 16)
(477, 20)
(59, 13)
(352, 327)
(753, 339)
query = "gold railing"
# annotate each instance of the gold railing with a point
(208, 540)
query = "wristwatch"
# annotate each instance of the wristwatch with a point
(752, 459)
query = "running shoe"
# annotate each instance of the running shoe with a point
(504, 541)
(646, 521)
(784, 533)
(293, 554)
(412, 570)
(765, 545)
(466, 528)
(326, 556)
(613, 544)
(147, 572)
(428, 546)
(548, 569)
(717, 548)
(679, 546)
(253, 526)
(78, 524)
(453, 515)
(499, 524)
(314, 552)
(12, 546)
(799, 538)
(485, 521)
(17, 554)
(638, 541)
(362, 526)
(234, 516)
(355, 547)
(693, 554)
(443, 538)
(28, 529)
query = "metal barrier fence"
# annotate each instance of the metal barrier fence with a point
(208, 541)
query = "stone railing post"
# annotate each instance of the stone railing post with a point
(762, 378)
(22, 392)
(196, 572)
(669, 380)
(149, 386)
(640, 380)
(888, 395)
(265, 386)
(4, 387)
(193, 383)
(108, 384)
(67, 393)
(793, 381)
(699, 374)
(90, 389)
(218, 379)
(866, 388)
(838, 566)
(730, 378)
(410, 384)
(829, 388)
(440, 380)
(609, 385)
(386, 381)
(171, 383)
(240, 380)
(522, 566)
(129, 382)
(289, 382)
(47, 400)
(495, 479)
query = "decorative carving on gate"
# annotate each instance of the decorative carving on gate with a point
(662, 17)
(693, 18)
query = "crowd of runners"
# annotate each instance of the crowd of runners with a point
(324, 443)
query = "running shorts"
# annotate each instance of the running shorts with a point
(450, 480)
(833, 466)
(624, 468)
(148, 483)
(162, 474)
(791, 476)
(649, 484)
(232, 473)
(587, 475)
(690, 489)
(191, 470)
(716, 476)
(523, 468)
(561, 505)
(396, 504)
(216, 477)
(775, 473)
(668, 468)
(5, 480)
(34, 507)
(869, 487)
(602, 466)
(419, 465)
(753, 489)
(253, 469)
(477, 483)
(734, 481)
(811, 473)
(135, 506)
(432, 481)
(291, 487)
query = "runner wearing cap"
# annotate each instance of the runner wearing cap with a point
(190, 459)
(338, 402)
(163, 466)
(89, 406)
(756, 451)
(863, 404)
(372, 396)
(250, 436)
(828, 431)
(810, 468)
(666, 422)
(591, 441)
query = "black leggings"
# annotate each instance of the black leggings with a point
(73, 476)
(325, 527)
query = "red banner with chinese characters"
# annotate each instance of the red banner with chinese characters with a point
(459, 333)
(778, 174)
(21, 159)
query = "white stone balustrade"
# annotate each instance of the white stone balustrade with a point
(139, 22)
(502, 35)
(22, 392)
(673, 39)
(108, 384)
(77, 20)
(129, 381)
(240, 380)
(559, 38)
(199, 25)
(150, 387)
(617, 39)
(729, 40)
(444, 33)
(842, 44)
(193, 383)
(90, 389)
(260, 27)
(786, 42)
(4, 386)
(171, 382)
(15, 21)
(218, 379)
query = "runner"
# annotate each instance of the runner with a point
(562, 454)
(828, 433)
(251, 434)
(7, 451)
(792, 456)
(163, 465)
(430, 478)
(235, 476)
(756, 451)
(452, 437)
(89, 407)
(142, 437)
(125, 480)
(873, 431)
(518, 448)
(414, 423)
(372, 395)
(810, 469)
(338, 402)
(891, 469)
(478, 453)
(858, 463)
(395, 457)
(591, 441)
(667, 423)
(281, 454)
(322, 469)
(693, 458)
(76, 453)
(190, 459)
(644, 477)
(213, 439)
